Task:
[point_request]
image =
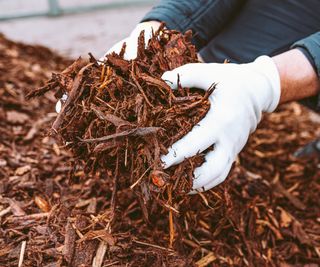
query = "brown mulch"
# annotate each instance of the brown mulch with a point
(120, 117)
(51, 214)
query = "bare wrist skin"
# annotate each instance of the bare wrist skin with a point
(298, 79)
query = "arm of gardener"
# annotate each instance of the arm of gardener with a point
(300, 72)
(297, 76)
(204, 18)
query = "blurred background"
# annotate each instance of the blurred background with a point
(71, 27)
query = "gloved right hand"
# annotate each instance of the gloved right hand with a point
(243, 92)
(132, 41)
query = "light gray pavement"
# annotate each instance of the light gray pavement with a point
(71, 35)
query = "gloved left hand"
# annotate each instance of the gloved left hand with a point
(131, 50)
(132, 40)
(242, 93)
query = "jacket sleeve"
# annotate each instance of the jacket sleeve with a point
(204, 17)
(310, 47)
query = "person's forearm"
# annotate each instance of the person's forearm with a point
(297, 77)
(205, 18)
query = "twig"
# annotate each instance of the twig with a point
(206, 202)
(126, 154)
(105, 103)
(110, 117)
(5, 211)
(139, 86)
(101, 251)
(22, 251)
(110, 264)
(151, 245)
(136, 182)
(209, 91)
(113, 202)
(195, 245)
(166, 205)
(280, 188)
(102, 72)
(171, 227)
(190, 243)
(77, 231)
(34, 216)
(206, 260)
(142, 131)
(75, 93)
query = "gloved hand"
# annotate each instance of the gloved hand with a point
(131, 47)
(132, 41)
(242, 93)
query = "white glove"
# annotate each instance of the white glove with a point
(242, 93)
(131, 47)
(132, 40)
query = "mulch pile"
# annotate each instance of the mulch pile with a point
(54, 212)
(120, 117)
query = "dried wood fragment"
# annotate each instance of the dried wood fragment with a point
(101, 251)
(69, 242)
(22, 251)
(206, 260)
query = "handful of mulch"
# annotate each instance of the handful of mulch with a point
(120, 115)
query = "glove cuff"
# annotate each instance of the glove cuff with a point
(266, 67)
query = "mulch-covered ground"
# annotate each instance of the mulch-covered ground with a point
(267, 213)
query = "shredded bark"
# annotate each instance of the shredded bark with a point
(55, 213)
(120, 116)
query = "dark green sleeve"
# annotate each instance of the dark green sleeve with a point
(205, 18)
(310, 46)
